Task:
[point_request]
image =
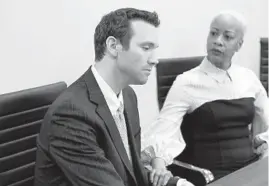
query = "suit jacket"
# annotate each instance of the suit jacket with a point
(79, 143)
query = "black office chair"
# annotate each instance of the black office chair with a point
(21, 114)
(264, 63)
(167, 71)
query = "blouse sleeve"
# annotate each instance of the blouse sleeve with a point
(163, 139)
(261, 117)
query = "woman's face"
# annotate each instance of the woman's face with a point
(224, 39)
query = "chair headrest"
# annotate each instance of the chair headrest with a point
(168, 69)
(30, 98)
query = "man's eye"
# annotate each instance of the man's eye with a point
(146, 48)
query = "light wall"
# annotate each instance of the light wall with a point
(45, 41)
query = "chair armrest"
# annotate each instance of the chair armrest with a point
(208, 176)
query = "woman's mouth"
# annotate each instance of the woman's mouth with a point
(216, 52)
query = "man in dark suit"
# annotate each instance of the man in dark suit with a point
(85, 139)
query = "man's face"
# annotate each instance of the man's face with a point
(224, 39)
(137, 62)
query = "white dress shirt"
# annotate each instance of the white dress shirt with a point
(189, 91)
(115, 103)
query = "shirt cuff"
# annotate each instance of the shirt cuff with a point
(181, 181)
(263, 137)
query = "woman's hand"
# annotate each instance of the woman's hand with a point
(261, 147)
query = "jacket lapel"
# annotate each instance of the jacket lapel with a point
(103, 111)
(129, 117)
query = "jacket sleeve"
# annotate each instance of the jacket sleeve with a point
(74, 147)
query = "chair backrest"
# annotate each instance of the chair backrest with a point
(264, 64)
(21, 114)
(167, 71)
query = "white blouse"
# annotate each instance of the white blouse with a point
(189, 91)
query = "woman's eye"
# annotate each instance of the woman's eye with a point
(228, 38)
(213, 33)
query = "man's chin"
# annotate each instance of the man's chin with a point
(141, 81)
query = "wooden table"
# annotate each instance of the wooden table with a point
(255, 174)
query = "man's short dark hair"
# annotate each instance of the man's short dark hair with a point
(117, 24)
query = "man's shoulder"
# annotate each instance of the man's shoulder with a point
(75, 97)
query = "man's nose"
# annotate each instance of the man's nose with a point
(153, 60)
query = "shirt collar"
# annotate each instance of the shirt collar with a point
(218, 74)
(113, 101)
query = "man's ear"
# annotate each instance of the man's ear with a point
(119, 47)
(239, 44)
(112, 46)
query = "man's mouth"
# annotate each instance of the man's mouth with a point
(147, 71)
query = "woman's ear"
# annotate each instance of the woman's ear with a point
(239, 44)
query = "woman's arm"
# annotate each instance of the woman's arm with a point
(261, 118)
(163, 140)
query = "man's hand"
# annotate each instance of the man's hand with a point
(159, 175)
(261, 147)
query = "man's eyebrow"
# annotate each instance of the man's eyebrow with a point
(150, 44)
